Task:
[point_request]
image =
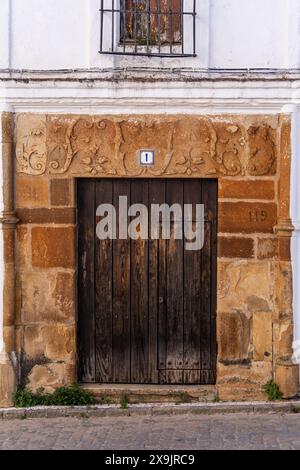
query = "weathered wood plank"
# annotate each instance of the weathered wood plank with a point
(174, 327)
(103, 293)
(86, 287)
(121, 296)
(139, 294)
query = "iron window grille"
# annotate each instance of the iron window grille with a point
(153, 28)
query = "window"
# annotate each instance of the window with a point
(161, 28)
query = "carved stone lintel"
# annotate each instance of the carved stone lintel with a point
(109, 146)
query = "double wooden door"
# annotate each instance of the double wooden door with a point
(146, 307)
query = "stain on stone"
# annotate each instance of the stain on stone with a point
(257, 304)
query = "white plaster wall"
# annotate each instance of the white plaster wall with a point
(49, 34)
(5, 34)
(248, 33)
(60, 34)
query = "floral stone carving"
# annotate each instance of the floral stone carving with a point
(184, 146)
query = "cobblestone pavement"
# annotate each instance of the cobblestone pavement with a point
(230, 431)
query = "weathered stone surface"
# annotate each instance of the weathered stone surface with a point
(262, 150)
(247, 217)
(284, 248)
(285, 339)
(7, 384)
(285, 168)
(48, 376)
(32, 192)
(48, 297)
(235, 247)
(287, 378)
(108, 145)
(244, 286)
(54, 342)
(242, 151)
(246, 189)
(60, 192)
(282, 273)
(233, 337)
(267, 248)
(7, 128)
(47, 216)
(262, 336)
(243, 383)
(9, 337)
(23, 247)
(274, 248)
(8, 246)
(53, 247)
(31, 148)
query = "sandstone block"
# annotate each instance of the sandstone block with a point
(285, 339)
(23, 248)
(48, 297)
(7, 384)
(47, 216)
(243, 189)
(53, 247)
(284, 248)
(235, 247)
(32, 192)
(283, 290)
(48, 376)
(233, 337)
(244, 286)
(267, 248)
(247, 217)
(55, 342)
(262, 336)
(60, 190)
(287, 378)
(243, 383)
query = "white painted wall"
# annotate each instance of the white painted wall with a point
(60, 34)
(49, 34)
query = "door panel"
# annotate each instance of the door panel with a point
(146, 308)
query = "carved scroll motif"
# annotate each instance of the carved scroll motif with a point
(31, 152)
(262, 159)
(109, 146)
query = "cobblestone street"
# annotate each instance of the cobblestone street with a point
(230, 431)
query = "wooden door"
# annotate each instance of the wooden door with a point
(146, 307)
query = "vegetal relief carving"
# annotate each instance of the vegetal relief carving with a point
(31, 152)
(262, 159)
(229, 147)
(109, 146)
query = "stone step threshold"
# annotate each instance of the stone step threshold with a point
(152, 393)
(150, 409)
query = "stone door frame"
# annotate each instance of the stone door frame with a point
(58, 149)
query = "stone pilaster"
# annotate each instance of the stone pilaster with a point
(7, 266)
(286, 372)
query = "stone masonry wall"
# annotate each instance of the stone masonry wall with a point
(245, 153)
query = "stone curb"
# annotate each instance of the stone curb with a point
(149, 410)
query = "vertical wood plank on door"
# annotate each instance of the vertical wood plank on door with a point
(139, 294)
(174, 331)
(103, 293)
(86, 287)
(207, 261)
(156, 286)
(192, 293)
(121, 295)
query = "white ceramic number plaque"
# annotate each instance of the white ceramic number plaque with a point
(147, 157)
